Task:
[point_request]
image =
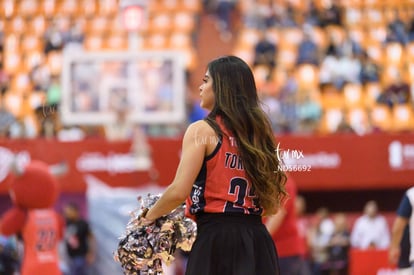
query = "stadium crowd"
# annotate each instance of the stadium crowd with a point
(329, 66)
(321, 66)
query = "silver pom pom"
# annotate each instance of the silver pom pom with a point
(143, 248)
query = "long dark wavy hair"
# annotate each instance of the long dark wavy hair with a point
(237, 104)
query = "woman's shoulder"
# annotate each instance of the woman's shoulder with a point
(201, 128)
(202, 134)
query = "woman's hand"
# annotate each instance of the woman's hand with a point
(143, 220)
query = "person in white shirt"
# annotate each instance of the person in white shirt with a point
(371, 229)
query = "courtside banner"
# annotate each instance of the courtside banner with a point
(349, 162)
(334, 162)
(111, 162)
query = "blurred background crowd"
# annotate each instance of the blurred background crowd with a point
(321, 66)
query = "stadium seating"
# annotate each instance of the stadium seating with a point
(366, 22)
(25, 24)
(172, 25)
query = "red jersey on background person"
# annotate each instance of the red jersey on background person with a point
(283, 226)
(303, 225)
(34, 190)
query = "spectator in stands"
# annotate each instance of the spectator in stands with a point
(261, 14)
(53, 38)
(345, 127)
(45, 126)
(140, 148)
(209, 6)
(40, 77)
(4, 78)
(410, 30)
(303, 221)
(121, 128)
(396, 30)
(283, 228)
(24, 127)
(79, 240)
(332, 14)
(339, 70)
(265, 52)
(303, 227)
(329, 69)
(309, 111)
(85, 99)
(224, 11)
(311, 14)
(265, 82)
(349, 68)
(70, 133)
(53, 93)
(1, 37)
(371, 229)
(49, 125)
(331, 48)
(285, 16)
(9, 255)
(320, 234)
(348, 46)
(271, 106)
(370, 71)
(288, 118)
(402, 222)
(7, 119)
(250, 15)
(308, 52)
(398, 92)
(75, 36)
(338, 246)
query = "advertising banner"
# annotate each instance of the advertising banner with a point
(338, 162)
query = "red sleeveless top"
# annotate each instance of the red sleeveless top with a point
(222, 185)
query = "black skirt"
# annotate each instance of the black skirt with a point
(232, 245)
